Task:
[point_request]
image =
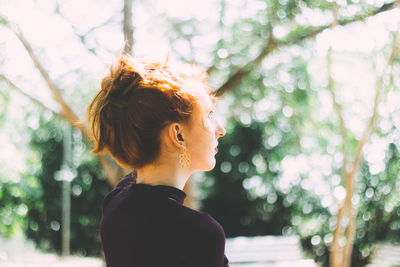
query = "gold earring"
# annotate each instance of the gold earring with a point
(184, 159)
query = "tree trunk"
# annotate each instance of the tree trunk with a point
(128, 27)
(341, 256)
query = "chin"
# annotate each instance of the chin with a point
(211, 165)
(208, 166)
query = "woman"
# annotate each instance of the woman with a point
(158, 122)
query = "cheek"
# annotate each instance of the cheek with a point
(209, 134)
(202, 142)
(209, 127)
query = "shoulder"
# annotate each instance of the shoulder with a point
(116, 198)
(207, 228)
(207, 243)
(213, 225)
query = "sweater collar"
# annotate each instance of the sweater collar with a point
(170, 192)
(167, 191)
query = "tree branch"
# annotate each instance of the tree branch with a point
(294, 38)
(238, 76)
(82, 37)
(339, 113)
(31, 98)
(66, 111)
(371, 123)
(351, 231)
(111, 169)
(337, 256)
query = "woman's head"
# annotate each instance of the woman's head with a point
(137, 101)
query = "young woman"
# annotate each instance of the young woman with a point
(158, 122)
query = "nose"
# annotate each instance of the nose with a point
(220, 130)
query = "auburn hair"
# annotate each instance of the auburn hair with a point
(136, 101)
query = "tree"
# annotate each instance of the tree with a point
(346, 217)
(43, 223)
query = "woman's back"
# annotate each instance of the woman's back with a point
(147, 225)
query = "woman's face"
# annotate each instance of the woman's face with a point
(202, 139)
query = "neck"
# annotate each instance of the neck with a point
(163, 174)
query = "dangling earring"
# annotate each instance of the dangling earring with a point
(184, 159)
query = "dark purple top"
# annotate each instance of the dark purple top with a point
(147, 226)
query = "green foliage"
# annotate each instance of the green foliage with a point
(376, 200)
(4, 21)
(252, 202)
(88, 190)
(13, 208)
(245, 212)
(243, 191)
(4, 100)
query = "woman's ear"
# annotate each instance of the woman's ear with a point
(175, 133)
(179, 135)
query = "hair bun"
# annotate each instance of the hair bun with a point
(124, 76)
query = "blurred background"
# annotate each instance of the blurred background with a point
(306, 88)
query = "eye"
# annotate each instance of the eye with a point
(210, 115)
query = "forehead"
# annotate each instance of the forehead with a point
(197, 89)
